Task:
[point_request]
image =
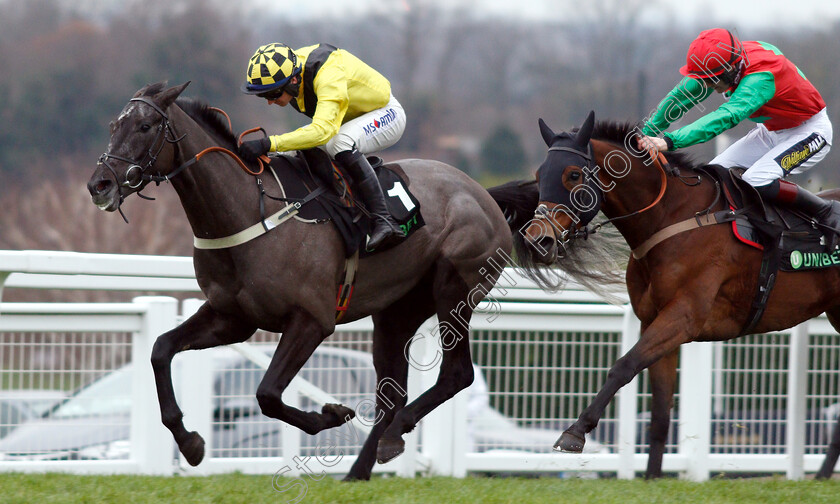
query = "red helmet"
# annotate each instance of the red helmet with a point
(714, 53)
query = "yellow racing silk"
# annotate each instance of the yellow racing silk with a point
(340, 86)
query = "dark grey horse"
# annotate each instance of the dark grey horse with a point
(285, 281)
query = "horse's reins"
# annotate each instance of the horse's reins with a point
(664, 168)
(165, 131)
(700, 219)
(262, 160)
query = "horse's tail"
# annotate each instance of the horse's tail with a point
(592, 263)
(518, 200)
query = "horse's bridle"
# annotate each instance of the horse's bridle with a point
(584, 232)
(163, 136)
(542, 211)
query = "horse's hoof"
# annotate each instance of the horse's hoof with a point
(193, 448)
(352, 477)
(336, 414)
(569, 443)
(389, 449)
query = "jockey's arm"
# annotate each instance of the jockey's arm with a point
(685, 95)
(752, 92)
(333, 100)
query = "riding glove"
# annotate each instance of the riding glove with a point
(253, 149)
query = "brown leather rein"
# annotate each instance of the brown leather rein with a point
(262, 160)
(674, 229)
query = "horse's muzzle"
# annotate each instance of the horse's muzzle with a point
(544, 250)
(104, 193)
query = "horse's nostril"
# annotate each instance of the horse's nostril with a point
(99, 187)
(546, 242)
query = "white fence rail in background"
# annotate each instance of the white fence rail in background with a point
(759, 404)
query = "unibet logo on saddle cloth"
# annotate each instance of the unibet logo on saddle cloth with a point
(813, 260)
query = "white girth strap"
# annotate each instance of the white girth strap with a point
(249, 233)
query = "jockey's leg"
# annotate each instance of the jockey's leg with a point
(385, 230)
(797, 150)
(366, 134)
(826, 212)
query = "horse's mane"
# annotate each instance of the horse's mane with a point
(616, 132)
(210, 119)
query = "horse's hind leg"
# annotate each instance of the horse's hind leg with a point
(301, 336)
(663, 378)
(456, 371)
(833, 451)
(205, 329)
(831, 455)
(393, 329)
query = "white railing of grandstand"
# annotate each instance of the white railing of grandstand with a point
(444, 447)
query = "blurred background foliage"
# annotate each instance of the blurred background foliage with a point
(473, 87)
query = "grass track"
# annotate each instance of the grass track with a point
(245, 489)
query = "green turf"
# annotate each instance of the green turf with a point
(239, 488)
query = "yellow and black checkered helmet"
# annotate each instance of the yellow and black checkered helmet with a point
(271, 67)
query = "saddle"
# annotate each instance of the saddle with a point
(762, 225)
(788, 239)
(314, 172)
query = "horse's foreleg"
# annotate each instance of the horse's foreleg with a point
(393, 329)
(663, 378)
(456, 370)
(205, 329)
(664, 335)
(300, 338)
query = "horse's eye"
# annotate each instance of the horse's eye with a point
(574, 176)
(145, 127)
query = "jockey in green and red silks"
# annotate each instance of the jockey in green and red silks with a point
(793, 131)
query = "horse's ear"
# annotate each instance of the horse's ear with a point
(547, 134)
(142, 91)
(585, 131)
(169, 95)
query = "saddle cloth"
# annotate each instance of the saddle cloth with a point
(763, 225)
(337, 204)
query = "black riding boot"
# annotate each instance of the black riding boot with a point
(826, 212)
(386, 231)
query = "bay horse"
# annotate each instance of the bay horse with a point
(285, 281)
(696, 285)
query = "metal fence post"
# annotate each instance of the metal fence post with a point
(436, 426)
(796, 389)
(152, 446)
(696, 408)
(458, 426)
(628, 401)
(3, 276)
(418, 382)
